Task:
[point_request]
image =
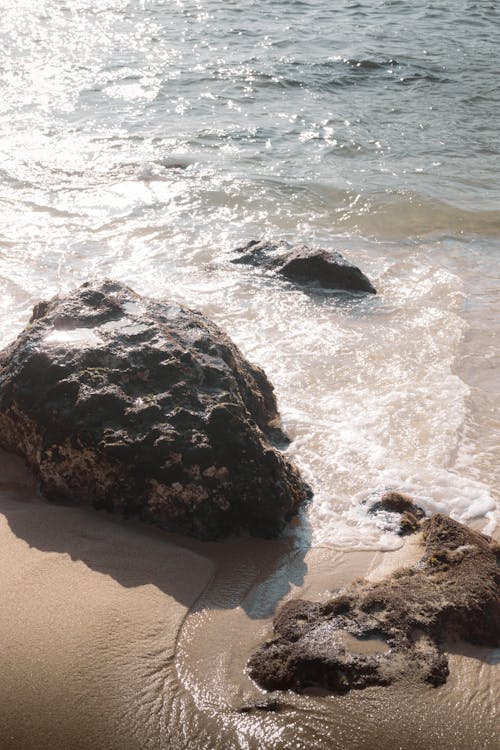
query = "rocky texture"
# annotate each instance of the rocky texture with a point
(147, 408)
(266, 703)
(398, 503)
(376, 633)
(304, 265)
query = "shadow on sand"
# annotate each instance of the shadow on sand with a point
(252, 573)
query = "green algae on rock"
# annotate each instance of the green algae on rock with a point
(452, 593)
(147, 408)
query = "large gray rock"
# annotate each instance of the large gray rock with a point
(304, 265)
(147, 408)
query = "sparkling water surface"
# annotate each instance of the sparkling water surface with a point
(144, 141)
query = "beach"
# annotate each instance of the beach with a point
(145, 142)
(116, 635)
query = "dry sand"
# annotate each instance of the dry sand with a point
(116, 636)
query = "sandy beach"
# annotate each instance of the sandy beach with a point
(116, 636)
(145, 142)
(91, 612)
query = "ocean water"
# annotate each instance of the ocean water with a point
(145, 140)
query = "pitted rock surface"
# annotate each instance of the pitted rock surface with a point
(147, 408)
(304, 265)
(453, 593)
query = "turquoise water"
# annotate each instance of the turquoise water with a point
(145, 140)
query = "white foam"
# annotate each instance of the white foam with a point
(370, 395)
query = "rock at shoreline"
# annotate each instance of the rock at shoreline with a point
(146, 408)
(400, 504)
(304, 265)
(377, 633)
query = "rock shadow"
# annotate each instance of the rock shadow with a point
(252, 573)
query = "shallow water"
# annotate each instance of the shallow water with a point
(145, 140)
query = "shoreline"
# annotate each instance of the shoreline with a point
(121, 636)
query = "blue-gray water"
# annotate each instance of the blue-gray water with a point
(144, 141)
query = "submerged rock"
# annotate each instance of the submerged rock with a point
(402, 505)
(304, 265)
(147, 408)
(376, 633)
(265, 703)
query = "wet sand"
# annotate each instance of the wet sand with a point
(91, 608)
(118, 637)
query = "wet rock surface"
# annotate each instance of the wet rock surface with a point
(378, 633)
(304, 265)
(397, 503)
(146, 408)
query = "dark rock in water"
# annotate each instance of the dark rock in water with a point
(397, 502)
(377, 633)
(304, 265)
(265, 703)
(147, 408)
